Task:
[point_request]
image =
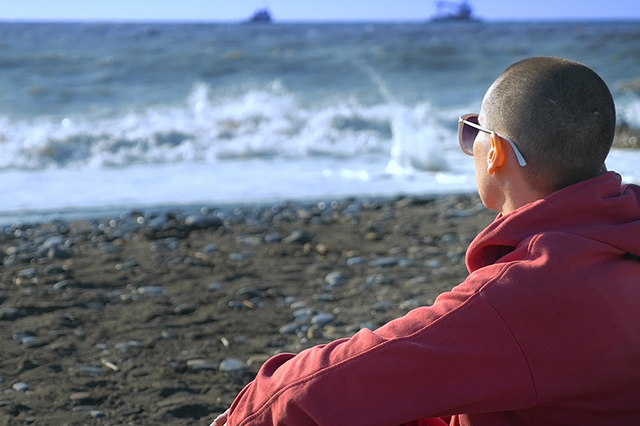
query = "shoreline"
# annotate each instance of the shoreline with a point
(162, 320)
(37, 217)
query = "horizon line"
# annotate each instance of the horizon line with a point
(477, 20)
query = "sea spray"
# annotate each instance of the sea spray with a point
(416, 146)
(414, 142)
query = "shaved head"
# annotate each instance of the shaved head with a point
(559, 113)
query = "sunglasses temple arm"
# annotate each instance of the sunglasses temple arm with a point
(521, 159)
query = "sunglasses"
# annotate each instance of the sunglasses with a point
(468, 128)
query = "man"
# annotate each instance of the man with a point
(546, 328)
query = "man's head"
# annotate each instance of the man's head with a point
(560, 115)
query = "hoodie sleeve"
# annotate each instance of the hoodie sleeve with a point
(457, 356)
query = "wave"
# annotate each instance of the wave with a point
(628, 108)
(266, 123)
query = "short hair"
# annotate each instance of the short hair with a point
(561, 116)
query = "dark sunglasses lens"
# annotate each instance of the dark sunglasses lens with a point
(469, 134)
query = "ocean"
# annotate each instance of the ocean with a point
(107, 117)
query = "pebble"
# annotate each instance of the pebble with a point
(304, 214)
(236, 304)
(405, 262)
(397, 250)
(368, 325)
(257, 360)
(108, 248)
(300, 237)
(335, 279)
(214, 286)
(91, 370)
(249, 240)
(84, 408)
(183, 309)
(167, 335)
(151, 289)
(248, 292)
(314, 332)
(125, 346)
(303, 315)
(384, 262)
(172, 243)
(210, 248)
(28, 273)
(53, 242)
(382, 305)
(323, 297)
(298, 304)
(1, 380)
(290, 328)
(199, 221)
(20, 335)
(29, 341)
(129, 297)
(200, 365)
(127, 265)
(131, 412)
(64, 284)
(409, 304)
(461, 213)
(373, 236)
(232, 364)
(354, 261)
(54, 269)
(380, 279)
(322, 319)
(273, 237)
(416, 281)
(10, 261)
(433, 263)
(20, 387)
(79, 396)
(58, 253)
(448, 239)
(175, 262)
(239, 257)
(97, 414)
(95, 305)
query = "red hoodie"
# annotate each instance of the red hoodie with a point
(544, 331)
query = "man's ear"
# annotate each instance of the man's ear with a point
(497, 154)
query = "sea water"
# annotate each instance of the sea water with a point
(112, 116)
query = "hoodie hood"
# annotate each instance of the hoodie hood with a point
(600, 209)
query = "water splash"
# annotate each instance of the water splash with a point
(417, 140)
(261, 123)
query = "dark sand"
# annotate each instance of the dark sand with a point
(96, 345)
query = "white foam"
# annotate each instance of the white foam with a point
(628, 109)
(267, 123)
(226, 182)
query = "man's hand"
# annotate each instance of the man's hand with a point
(221, 420)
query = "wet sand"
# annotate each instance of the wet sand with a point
(161, 320)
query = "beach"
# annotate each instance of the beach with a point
(162, 319)
(150, 262)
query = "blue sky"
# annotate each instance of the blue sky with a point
(301, 10)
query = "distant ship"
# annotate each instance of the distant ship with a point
(260, 16)
(456, 12)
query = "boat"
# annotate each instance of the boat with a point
(260, 16)
(454, 12)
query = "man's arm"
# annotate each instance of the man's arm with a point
(457, 356)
